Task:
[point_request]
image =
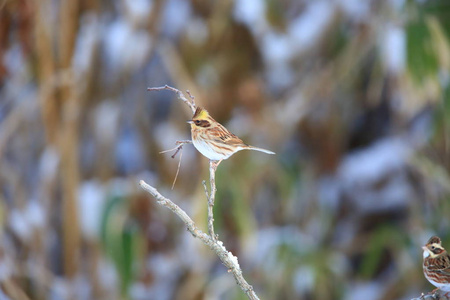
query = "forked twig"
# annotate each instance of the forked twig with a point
(189, 102)
(176, 152)
(177, 149)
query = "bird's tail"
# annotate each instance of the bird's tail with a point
(260, 149)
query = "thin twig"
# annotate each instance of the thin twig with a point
(183, 142)
(189, 102)
(190, 95)
(178, 168)
(180, 146)
(228, 259)
(177, 149)
(176, 152)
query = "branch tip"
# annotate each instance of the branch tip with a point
(181, 96)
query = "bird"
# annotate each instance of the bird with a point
(213, 140)
(436, 265)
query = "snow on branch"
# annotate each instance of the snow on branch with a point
(228, 259)
(210, 239)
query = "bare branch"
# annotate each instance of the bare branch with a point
(189, 102)
(228, 259)
(190, 95)
(163, 201)
(435, 295)
(211, 198)
(206, 189)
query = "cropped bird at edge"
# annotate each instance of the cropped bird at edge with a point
(213, 140)
(436, 264)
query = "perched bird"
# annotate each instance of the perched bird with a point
(215, 141)
(436, 264)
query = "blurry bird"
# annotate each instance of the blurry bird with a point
(436, 264)
(215, 141)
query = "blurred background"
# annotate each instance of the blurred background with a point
(353, 96)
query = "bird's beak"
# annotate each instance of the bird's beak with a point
(424, 248)
(190, 122)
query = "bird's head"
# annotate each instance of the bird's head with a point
(201, 119)
(433, 248)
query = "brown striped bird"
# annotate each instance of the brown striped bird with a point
(213, 140)
(436, 264)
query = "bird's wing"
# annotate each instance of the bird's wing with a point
(441, 264)
(222, 135)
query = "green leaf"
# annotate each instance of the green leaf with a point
(121, 240)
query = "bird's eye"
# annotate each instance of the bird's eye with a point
(433, 247)
(197, 122)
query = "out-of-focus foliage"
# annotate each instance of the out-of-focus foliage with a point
(353, 96)
(121, 241)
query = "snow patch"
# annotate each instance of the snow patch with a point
(19, 224)
(35, 214)
(307, 29)
(355, 9)
(106, 120)
(118, 38)
(87, 40)
(393, 48)
(252, 13)
(176, 14)
(139, 9)
(48, 163)
(366, 291)
(304, 280)
(90, 204)
(372, 163)
(197, 31)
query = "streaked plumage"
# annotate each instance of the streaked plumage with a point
(213, 140)
(436, 264)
